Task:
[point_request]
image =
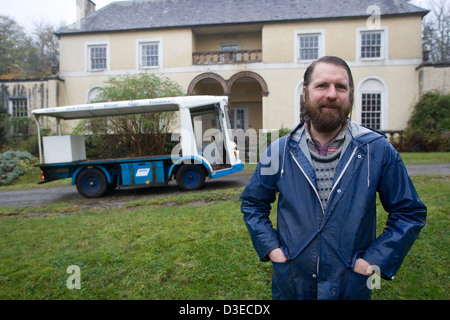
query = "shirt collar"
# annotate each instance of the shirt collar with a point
(315, 145)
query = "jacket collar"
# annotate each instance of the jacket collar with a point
(357, 135)
(354, 131)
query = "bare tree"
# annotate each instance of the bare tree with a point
(436, 31)
(12, 46)
(27, 56)
(43, 50)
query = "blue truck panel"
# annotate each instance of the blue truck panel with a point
(151, 172)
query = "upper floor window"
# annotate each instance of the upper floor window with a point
(309, 45)
(231, 47)
(98, 59)
(149, 54)
(371, 45)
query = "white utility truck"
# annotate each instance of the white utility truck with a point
(205, 146)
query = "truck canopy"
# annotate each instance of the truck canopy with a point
(118, 108)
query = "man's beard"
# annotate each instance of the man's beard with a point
(327, 120)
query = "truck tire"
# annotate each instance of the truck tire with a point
(92, 183)
(191, 177)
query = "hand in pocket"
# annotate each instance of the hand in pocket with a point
(277, 255)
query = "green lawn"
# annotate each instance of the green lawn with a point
(188, 247)
(424, 273)
(425, 157)
(192, 246)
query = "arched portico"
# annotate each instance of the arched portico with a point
(249, 74)
(245, 90)
(208, 79)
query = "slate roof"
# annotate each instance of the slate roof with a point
(152, 14)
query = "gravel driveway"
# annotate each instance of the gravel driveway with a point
(45, 196)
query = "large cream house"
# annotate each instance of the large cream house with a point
(254, 51)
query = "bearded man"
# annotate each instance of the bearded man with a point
(328, 172)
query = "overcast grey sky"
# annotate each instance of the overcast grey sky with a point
(29, 12)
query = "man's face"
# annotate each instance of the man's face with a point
(327, 98)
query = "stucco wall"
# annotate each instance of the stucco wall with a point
(280, 67)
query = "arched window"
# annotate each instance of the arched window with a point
(371, 103)
(92, 94)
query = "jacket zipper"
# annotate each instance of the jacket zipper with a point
(343, 171)
(317, 194)
(310, 182)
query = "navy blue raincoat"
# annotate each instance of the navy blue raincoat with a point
(322, 245)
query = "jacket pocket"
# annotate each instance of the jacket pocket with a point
(283, 286)
(356, 286)
(357, 274)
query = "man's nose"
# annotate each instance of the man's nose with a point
(331, 93)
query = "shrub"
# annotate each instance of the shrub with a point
(429, 126)
(431, 113)
(12, 165)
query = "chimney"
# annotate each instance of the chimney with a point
(84, 8)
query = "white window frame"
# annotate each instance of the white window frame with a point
(384, 43)
(139, 44)
(321, 42)
(91, 45)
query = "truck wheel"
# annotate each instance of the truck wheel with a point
(191, 177)
(92, 183)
